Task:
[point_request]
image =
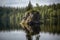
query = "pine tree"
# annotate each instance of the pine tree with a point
(29, 7)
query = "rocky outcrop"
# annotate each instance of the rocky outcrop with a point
(31, 21)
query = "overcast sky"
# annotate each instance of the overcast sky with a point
(23, 3)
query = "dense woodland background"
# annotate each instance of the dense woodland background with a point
(50, 16)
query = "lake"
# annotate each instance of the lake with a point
(21, 35)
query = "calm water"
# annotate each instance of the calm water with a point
(21, 35)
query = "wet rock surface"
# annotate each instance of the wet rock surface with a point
(31, 22)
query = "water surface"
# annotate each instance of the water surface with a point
(21, 35)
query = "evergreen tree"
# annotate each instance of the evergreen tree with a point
(29, 7)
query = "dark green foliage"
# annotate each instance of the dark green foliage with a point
(29, 7)
(50, 16)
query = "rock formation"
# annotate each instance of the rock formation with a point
(31, 22)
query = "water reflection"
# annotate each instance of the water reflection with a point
(21, 35)
(29, 37)
(32, 30)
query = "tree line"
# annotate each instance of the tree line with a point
(50, 16)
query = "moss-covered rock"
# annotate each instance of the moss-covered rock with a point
(31, 21)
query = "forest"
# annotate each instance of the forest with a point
(50, 16)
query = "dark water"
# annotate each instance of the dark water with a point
(21, 35)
